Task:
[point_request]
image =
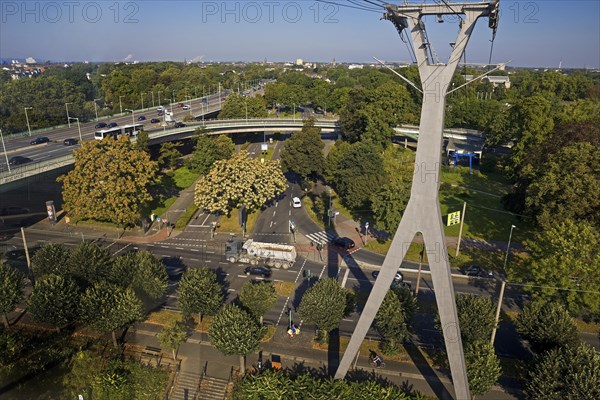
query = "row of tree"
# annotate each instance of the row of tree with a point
(86, 284)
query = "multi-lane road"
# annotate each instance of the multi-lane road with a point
(21, 145)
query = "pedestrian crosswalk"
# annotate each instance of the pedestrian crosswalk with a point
(322, 237)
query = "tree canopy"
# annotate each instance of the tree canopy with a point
(324, 304)
(546, 326)
(564, 265)
(209, 149)
(241, 180)
(54, 300)
(11, 289)
(258, 298)
(199, 292)
(51, 258)
(303, 152)
(234, 331)
(110, 182)
(240, 107)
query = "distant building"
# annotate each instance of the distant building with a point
(355, 66)
(495, 80)
(30, 60)
(299, 62)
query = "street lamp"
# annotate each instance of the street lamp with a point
(132, 116)
(159, 98)
(152, 93)
(294, 112)
(142, 96)
(508, 247)
(246, 104)
(121, 104)
(79, 128)
(68, 120)
(96, 108)
(27, 118)
(4, 147)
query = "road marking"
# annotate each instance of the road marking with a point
(323, 270)
(271, 225)
(345, 277)
(178, 248)
(323, 236)
(207, 216)
(231, 290)
(194, 250)
(121, 249)
(274, 211)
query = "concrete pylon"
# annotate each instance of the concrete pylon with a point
(423, 210)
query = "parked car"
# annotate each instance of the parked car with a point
(18, 160)
(100, 125)
(155, 120)
(112, 125)
(265, 272)
(141, 118)
(343, 242)
(70, 142)
(296, 202)
(40, 140)
(179, 124)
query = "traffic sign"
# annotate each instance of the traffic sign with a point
(453, 218)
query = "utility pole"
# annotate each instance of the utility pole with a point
(462, 221)
(423, 212)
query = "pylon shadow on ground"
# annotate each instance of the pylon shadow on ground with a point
(427, 371)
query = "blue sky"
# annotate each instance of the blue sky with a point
(531, 33)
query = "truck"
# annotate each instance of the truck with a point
(251, 252)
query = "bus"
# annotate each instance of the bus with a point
(118, 131)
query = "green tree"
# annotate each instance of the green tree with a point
(142, 272)
(324, 305)
(239, 107)
(241, 180)
(208, 150)
(546, 326)
(172, 336)
(169, 155)
(234, 331)
(392, 321)
(142, 141)
(258, 298)
(567, 186)
(389, 201)
(54, 300)
(110, 182)
(199, 292)
(564, 266)
(11, 289)
(51, 258)
(570, 372)
(90, 263)
(483, 367)
(108, 307)
(476, 317)
(358, 174)
(303, 152)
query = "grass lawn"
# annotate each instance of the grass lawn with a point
(366, 347)
(284, 289)
(231, 224)
(164, 317)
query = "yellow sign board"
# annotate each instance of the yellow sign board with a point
(454, 218)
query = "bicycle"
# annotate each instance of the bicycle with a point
(374, 363)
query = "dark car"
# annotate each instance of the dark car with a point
(474, 270)
(155, 120)
(343, 242)
(112, 125)
(141, 118)
(100, 125)
(180, 105)
(179, 124)
(265, 272)
(18, 160)
(70, 142)
(40, 140)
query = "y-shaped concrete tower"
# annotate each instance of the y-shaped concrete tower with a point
(423, 210)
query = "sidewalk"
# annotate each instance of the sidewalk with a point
(297, 354)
